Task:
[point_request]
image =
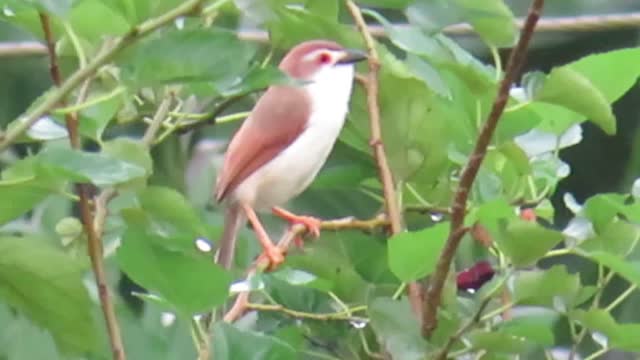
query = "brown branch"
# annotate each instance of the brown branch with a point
(470, 171)
(241, 303)
(93, 237)
(581, 23)
(370, 82)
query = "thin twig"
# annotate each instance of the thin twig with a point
(93, 238)
(334, 316)
(370, 82)
(53, 98)
(349, 223)
(470, 171)
(581, 23)
(475, 320)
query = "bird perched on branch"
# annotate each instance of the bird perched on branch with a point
(281, 146)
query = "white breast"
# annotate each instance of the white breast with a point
(293, 170)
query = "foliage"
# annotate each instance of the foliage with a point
(341, 297)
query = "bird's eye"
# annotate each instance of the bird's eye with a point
(324, 58)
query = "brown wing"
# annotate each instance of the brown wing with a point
(276, 121)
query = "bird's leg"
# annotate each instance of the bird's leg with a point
(312, 224)
(272, 252)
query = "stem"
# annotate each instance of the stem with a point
(471, 169)
(344, 315)
(93, 237)
(57, 95)
(370, 83)
(621, 297)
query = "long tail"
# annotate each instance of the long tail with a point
(233, 218)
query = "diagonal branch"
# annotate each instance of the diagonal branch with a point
(458, 208)
(93, 237)
(370, 82)
(54, 97)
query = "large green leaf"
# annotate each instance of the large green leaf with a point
(46, 285)
(492, 19)
(20, 197)
(629, 270)
(612, 72)
(231, 343)
(200, 55)
(525, 242)
(619, 336)
(569, 88)
(190, 281)
(397, 328)
(540, 287)
(100, 169)
(158, 251)
(413, 255)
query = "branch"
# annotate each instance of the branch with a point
(54, 98)
(582, 23)
(334, 316)
(93, 237)
(370, 82)
(477, 318)
(241, 304)
(459, 205)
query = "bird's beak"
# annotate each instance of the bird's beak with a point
(350, 56)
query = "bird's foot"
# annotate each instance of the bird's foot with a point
(274, 255)
(311, 223)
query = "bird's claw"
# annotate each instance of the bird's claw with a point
(273, 255)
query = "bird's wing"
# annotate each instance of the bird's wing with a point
(278, 118)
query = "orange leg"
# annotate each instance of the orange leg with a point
(271, 251)
(312, 224)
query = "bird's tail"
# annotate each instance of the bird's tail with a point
(233, 218)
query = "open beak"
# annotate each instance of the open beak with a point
(350, 56)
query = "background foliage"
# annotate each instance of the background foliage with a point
(554, 210)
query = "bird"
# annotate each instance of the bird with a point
(284, 142)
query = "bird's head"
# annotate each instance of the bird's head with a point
(311, 59)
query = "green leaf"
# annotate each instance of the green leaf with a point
(413, 255)
(46, 285)
(94, 120)
(629, 270)
(393, 4)
(98, 168)
(18, 336)
(133, 152)
(231, 343)
(540, 287)
(569, 88)
(534, 328)
(497, 342)
(55, 7)
(187, 279)
(617, 237)
(187, 55)
(613, 72)
(525, 242)
(442, 52)
(601, 209)
(619, 336)
(19, 197)
(397, 328)
(171, 213)
(491, 19)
